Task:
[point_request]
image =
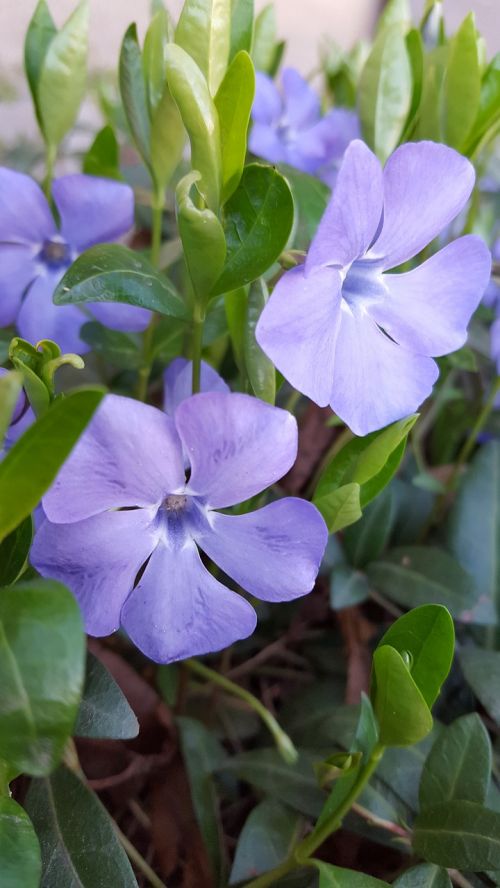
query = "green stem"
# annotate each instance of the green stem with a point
(137, 859)
(284, 744)
(50, 159)
(300, 856)
(197, 339)
(158, 206)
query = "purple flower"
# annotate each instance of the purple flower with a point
(289, 127)
(178, 382)
(345, 332)
(124, 525)
(35, 253)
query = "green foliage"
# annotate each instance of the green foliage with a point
(103, 156)
(204, 32)
(461, 834)
(233, 102)
(458, 765)
(268, 835)
(10, 389)
(19, 848)
(14, 551)
(104, 711)
(260, 370)
(202, 238)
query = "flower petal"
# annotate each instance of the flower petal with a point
(178, 382)
(237, 445)
(129, 455)
(179, 610)
(265, 142)
(428, 309)
(352, 217)
(93, 210)
(273, 553)
(298, 327)
(39, 318)
(17, 271)
(376, 381)
(302, 106)
(98, 559)
(267, 104)
(25, 216)
(426, 184)
(118, 316)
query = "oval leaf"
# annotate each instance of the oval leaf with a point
(458, 765)
(459, 834)
(204, 32)
(267, 838)
(202, 238)
(133, 93)
(19, 848)
(424, 876)
(104, 710)
(403, 715)
(234, 101)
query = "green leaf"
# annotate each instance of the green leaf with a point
(202, 238)
(235, 306)
(337, 877)
(267, 838)
(242, 14)
(462, 84)
(489, 104)
(104, 711)
(385, 92)
(19, 848)
(459, 834)
(31, 465)
(77, 837)
(103, 156)
(260, 370)
(120, 349)
(63, 76)
(204, 32)
(426, 875)
(10, 389)
(41, 31)
(458, 765)
(348, 587)
(473, 530)
(340, 507)
(415, 47)
(157, 36)
(402, 713)
(414, 575)
(233, 102)
(264, 41)
(42, 650)
(133, 93)
(366, 539)
(482, 671)
(428, 635)
(203, 754)
(190, 92)
(113, 273)
(396, 12)
(310, 197)
(258, 219)
(14, 551)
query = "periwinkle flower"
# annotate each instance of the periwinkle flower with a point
(178, 379)
(35, 253)
(288, 126)
(125, 522)
(345, 332)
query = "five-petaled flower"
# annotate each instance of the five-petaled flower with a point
(125, 522)
(345, 332)
(288, 127)
(35, 253)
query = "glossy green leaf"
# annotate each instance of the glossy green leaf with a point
(395, 12)
(427, 634)
(348, 587)
(242, 15)
(341, 507)
(260, 369)
(159, 33)
(204, 32)
(459, 834)
(234, 101)
(366, 539)
(14, 551)
(458, 765)
(191, 94)
(133, 93)
(258, 219)
(414, 575)
(103, 156)
(41, 31)
(10, 389)
(426, 875)
(19, 848)
(385, 92)
(431, 113)
(202, 238)
(63, 75)
(31, 465)
(120, 349)
(268, 835)
(402, 713)
(42, 654)
(113, 273)
(264, 41)
(78, 842)
(310, 197)
(167, 140)
(462, 85)
(482, 672)
(337, 877)
(489, 104)
(415, 47)
(104, 711)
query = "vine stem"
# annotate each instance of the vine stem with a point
(283, 743)
(138, 859)
(157, 207)
(301, 855)
(50, 159)
(197, 339)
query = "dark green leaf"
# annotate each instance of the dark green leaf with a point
(202, 238)
(242, 12)
(42, 652)
(424, 876)
(402, 713)
(458, 765)
(234, 102)
(482, 671)
(338, 877)
(235, 306)
(260, 369)
(348, 587)
(121, 349)
(31, 465)
(103, 156)
(257, 223)
(77, 838)
(268, 835)
(310, 197)
(104, 711)
(41, 31)
(459, 834)
(367, 538)
(204, 32)
(462, 84)
(113, 273)
(14, 552)
(19, 848)
(133, 93)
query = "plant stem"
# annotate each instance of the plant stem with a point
(137, 859)
(197, 338)
(284, 744)
(156, 226)
(50, 159)
(300, 856)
